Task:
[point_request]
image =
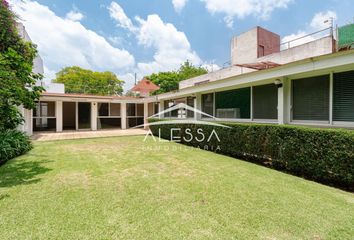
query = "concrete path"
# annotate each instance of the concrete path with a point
(49, 136)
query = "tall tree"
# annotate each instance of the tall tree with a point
(79, 80)
(17, 81)
(168, 81)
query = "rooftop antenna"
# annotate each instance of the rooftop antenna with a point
(134, 78)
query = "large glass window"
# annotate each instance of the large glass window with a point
(265, 102)
(181, 112)
(190, 103)
(44, 116)
(114, 109)
(343, 96)
(103, 109)
(208, 104)
(156, 108)
(131, 109)
(108, 115)
(140, 110)
(311, 98)
(233, 103)
(168, 104)
(135, 114)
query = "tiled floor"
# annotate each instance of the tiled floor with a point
(49, 136)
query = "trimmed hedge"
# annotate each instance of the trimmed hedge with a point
(323, 155)
(12, 144)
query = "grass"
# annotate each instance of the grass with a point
(122, 188)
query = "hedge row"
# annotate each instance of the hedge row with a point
(323, 155)
(12, 144)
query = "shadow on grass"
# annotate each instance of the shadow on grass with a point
(15, 173)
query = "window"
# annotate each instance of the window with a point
(234, 103)
(168, 104)
(260, 51)
(44, 116)
(181, 112)
(156, 108)
(131, 109)
(115, 109)
(311, 98)
(135, 114)
(108, 115)
(103, 109)
(208, 104)
(140, 110)
(265, 102)
(343, 96)
(190, 102)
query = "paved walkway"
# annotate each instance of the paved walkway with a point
(49, 136)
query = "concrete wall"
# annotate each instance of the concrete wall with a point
(248, 46)
(38, 62)
(269, 40)
(315, 48)
(214, 76)
(312, 49)
(244, 47)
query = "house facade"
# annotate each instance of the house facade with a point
(266, 82)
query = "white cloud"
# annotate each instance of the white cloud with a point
(179, 4)
(319, 21)
(117, 13)
(63, 42)
(74, 15)
(322, 20)
(243, 8)
(171, 46)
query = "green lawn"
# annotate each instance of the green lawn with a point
(111, 188)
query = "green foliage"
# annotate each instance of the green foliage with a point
(79, 80)
(323, 155)
(168, 81)
(12, 144)
(17, 81)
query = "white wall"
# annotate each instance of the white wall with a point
(244, 47)
(54, 88)
(315, 48)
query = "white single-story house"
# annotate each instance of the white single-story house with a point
(305, 84)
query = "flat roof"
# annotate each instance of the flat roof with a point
(78, 95)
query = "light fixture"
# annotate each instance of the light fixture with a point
(278, 83)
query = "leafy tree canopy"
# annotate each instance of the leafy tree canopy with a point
(17, 81)
(79, 80)
(168, 81)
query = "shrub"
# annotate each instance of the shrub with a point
(323, 155)
(12, 144)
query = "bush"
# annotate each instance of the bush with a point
(323, 155)
(12, 144)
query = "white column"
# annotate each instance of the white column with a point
(94, 116)
(59, 115)
(198, 105)
(21, 127)
(284, 96)
(146, 114)
(28, 122)
(123, 115)
(161, 108)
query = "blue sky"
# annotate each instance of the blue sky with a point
(135, 36)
